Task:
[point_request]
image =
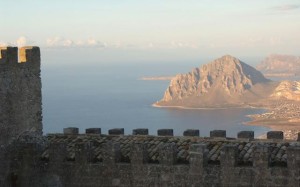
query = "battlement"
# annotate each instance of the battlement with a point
(29, 54)
(20, 85)
(13, 55)
(244, 144)
(8, 55)
(220, 134)
(145, 160)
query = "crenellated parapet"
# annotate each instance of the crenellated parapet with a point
(115, 159)
(13, 55)
(216, 134)
(29, 54)
(139, 160)
(21, 98)
(8, 55)
(245, 143)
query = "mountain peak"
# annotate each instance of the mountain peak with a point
(224, 62)
(228, 58)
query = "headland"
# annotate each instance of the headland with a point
(228, 82)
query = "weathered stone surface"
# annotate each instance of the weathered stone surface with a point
(165, 132)
(218, 134)
(116, 131)
(144, 160)
(191, 132)
(246, 134)
(140, 132)
(275, 135)
(93, 131)
(21, 99)
(71, 131)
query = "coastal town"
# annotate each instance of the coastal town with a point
(283, 115)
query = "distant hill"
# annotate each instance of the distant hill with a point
(287, 89)
(280, 65)
(224, 82)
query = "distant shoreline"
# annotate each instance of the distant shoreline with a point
(204, 108)
(289, 128)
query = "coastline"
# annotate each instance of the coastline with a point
(290, 127)
(203, 108)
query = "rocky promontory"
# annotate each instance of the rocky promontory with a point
(225, 82)
(229, 82)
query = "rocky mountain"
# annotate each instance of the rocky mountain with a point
(285, 65)
(287, 90)
(224, 82)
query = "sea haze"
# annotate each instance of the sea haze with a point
(92, 94)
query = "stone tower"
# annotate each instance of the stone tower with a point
(20, 92)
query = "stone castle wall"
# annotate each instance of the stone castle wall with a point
(95, 159)
(20, 92)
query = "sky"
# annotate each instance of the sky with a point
(125, 30)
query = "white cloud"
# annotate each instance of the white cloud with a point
(68, 43)
(21, 41)
(286, 7)
(95, 43)
(62, 42)
(53, 41)
(275, 41)
(183, 44)
(92, 42)
(59, 42)
(3, 44)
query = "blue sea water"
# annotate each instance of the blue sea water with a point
(104, 95)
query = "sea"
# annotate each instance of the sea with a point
(88, 94)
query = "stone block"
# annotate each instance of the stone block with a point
(112, 153)
(275, 135)
(116, 131)
(191, 132)
(93, 131)
(116, 182)
(218, 134)
(140, 132)
(261, 156)
(139, 154)
(165, 132)
(57, 152)
(198, 158)
(8, 55)
(29, 54)
(246, 134)
(71, 131)
(168, 154)
(228, 156)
